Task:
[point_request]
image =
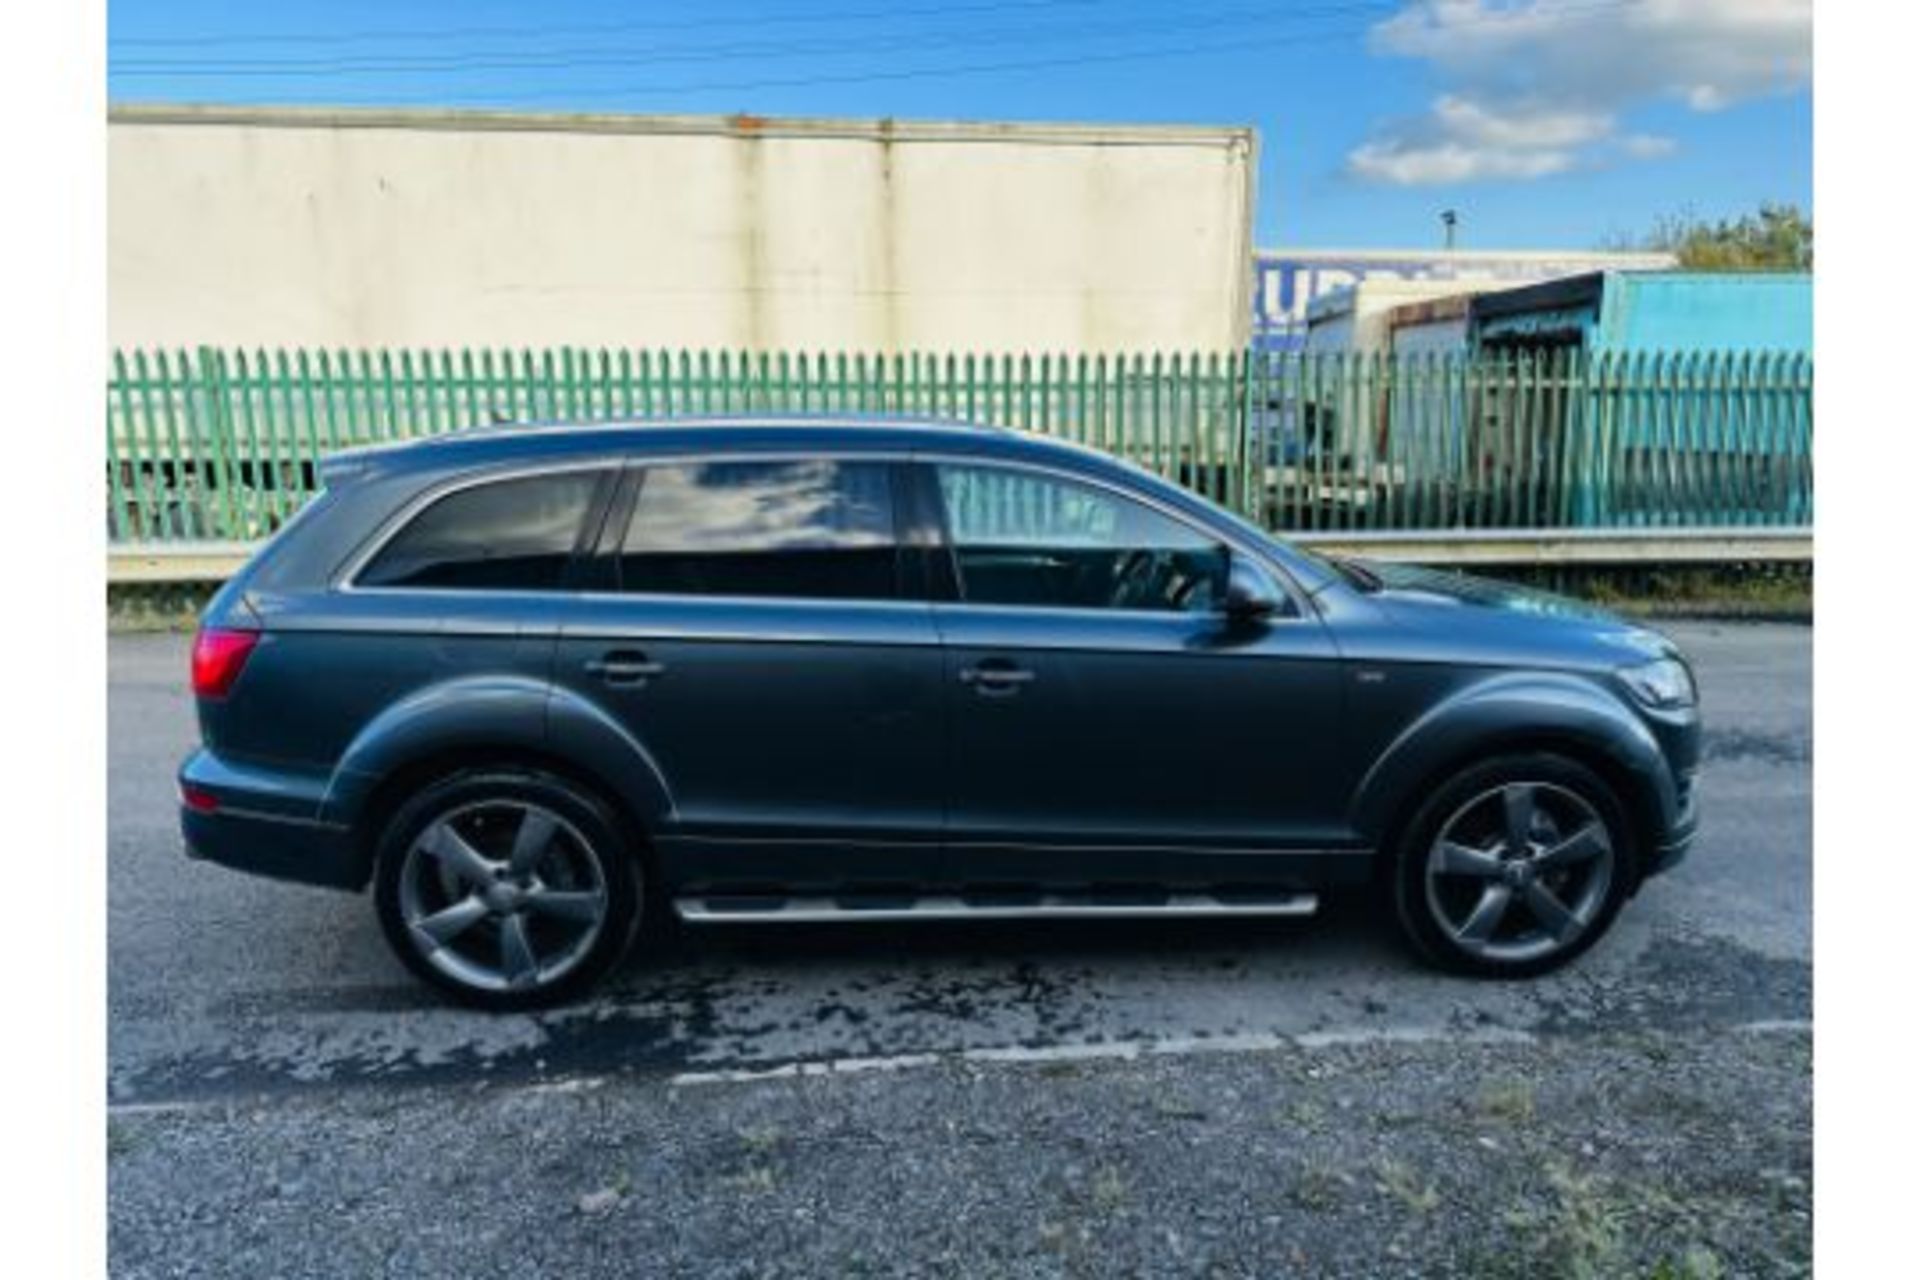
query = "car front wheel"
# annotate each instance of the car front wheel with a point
(1513, 866)
(507, 889)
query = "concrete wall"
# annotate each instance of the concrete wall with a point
(335, 228)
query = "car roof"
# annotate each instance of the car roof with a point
(508, 443)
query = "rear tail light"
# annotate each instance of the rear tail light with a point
(198, 799)
(218, 655)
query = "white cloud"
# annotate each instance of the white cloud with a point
(1539, 86)
(1465, 140)
(1647, 146)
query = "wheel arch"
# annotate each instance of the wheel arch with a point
(498, 723)
(411, 776)
(1559, 715)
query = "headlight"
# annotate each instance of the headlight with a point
(1665, 684)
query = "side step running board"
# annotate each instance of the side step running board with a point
(756, 909)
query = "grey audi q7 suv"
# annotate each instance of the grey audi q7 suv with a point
(537, 685)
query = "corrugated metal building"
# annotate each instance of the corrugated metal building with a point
(1674, 311)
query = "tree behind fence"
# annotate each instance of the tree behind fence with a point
(223, 445)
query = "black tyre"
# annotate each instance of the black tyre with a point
(507, 888)
(1513, 866)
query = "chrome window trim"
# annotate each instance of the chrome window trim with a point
(345, 578)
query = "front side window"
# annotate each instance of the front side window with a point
(808, 529)
(1021, 538)
(504, 535)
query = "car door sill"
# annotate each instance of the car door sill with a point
(742, 909)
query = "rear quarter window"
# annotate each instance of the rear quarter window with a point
(501, 535)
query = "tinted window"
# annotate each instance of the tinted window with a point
(509, 534)
(1028, 539)
(816, 528)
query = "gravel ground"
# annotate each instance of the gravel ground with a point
(1288, 1100)
(1567, 1157)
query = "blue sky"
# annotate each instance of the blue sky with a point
(1545, 123)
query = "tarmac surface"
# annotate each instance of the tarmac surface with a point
(1239, 1098)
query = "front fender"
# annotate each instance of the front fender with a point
(1507, 711)
(501, 712)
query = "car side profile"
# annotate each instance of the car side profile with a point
(536, 686)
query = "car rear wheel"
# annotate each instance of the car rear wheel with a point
(507, 889)
(1514, 866)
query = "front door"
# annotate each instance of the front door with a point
(1109, 723)
(753, 636)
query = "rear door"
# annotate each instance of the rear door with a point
(1108, 723)
(462, 586)
(757, 633)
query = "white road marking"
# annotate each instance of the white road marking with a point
(1016, 1054)
(1110, 1050)
(1777, 1026)
(126, 1109)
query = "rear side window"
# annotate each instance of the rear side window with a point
(810, 529)
(507, 535)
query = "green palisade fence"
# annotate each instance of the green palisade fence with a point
(224, 445)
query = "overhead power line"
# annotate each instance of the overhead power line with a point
(1258, 17)
(1162, 50)
(810, 17)
(571, 93)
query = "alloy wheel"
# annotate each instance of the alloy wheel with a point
(1520, 872)
(502, 895)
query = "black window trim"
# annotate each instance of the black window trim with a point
(348, 578)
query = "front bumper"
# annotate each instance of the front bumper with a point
(1675, 819)
(263, 823)
(1678, 838)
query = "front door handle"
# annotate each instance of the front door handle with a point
(995, 678)
(625, 666)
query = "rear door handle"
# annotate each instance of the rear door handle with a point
(995, 678)
(625, 666)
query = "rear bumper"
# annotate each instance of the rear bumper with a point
(262, 823)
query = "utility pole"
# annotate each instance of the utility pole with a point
(1448, 219)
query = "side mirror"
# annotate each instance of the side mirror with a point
(1250, 595)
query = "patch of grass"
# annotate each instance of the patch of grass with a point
(1722, 591)
(757, 1179)
(1578, 1236)
(157, 606)
(1109, 1190)
(1317, 1189)
(122, 1139)
(1508, 1101)
(1400, 1181)
(1695, 1264)
(1302, 1114)
(761, 1139)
